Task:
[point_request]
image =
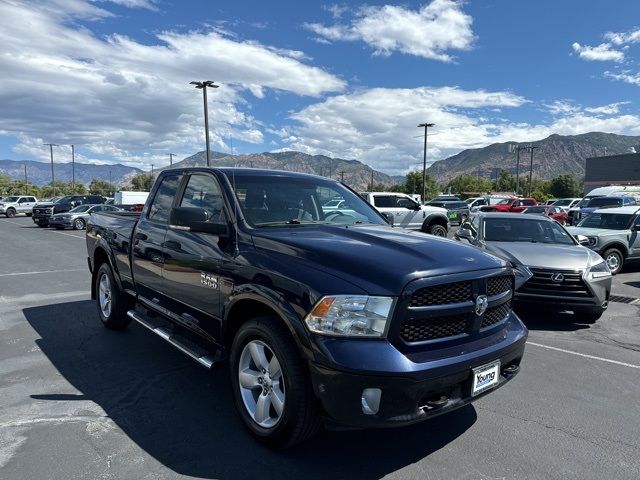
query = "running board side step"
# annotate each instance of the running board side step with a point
(199, 354)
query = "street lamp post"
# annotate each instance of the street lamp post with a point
(424, 160)
(203, 86)
(73, 169)
(531, 149)
(110, 184)
(53, 178)
(171, 155)
(517, 149)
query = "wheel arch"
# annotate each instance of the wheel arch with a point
(617, 245)
(437, 219)
(103, 255)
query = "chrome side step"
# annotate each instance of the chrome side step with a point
(182, 344)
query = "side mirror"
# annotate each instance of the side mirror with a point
(582, 240)
(465, 233)
(417, 207)
(389, 217)
(636, 228)
(196, 220)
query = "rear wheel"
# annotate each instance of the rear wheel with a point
(271, 386)
(78, 224)
(614, 259)
(111, 301)
(437, 230)
(10, 213)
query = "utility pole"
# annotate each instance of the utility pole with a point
(330, 168)
(203, 86)
(171, 155)
(73, 169)
(152, 171)
(517, 149)
(110, 185)
(531, 149)
(342, 176)
(26, 183)
(424, 160)
(371, 180)
(53, 178)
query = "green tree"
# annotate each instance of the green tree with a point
(469, 184)
(142, 182)
(413, 184)
(100, 187)
(506, 182)
(564, 186)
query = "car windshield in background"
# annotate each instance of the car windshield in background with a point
(525, 230)
(585, 201)
(10, 199)
(605, 202)
(80, 208)
(504, 202)
(611, 221)
(276, 201)
(565, 202)
(66, 199)
(535, 210)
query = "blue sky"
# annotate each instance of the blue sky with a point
(347, 80)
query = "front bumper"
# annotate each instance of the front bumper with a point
(64, 222)
(409, 390)
(600, 289)
(40, 219)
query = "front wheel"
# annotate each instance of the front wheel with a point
(614, 259)
(111, 301)
(78, 224)
(437, 230)
(10, 213)
(271, 385)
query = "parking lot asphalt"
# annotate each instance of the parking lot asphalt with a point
(79, 401)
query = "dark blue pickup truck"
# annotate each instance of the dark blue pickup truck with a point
(330, 318)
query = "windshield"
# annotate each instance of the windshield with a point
(332, 203)
(283, 200)
(80, 208)
(564, 202)
(585, 201)
(10, 199)
(504, 202)
(611, 221)
(604, 202)
(525, 230)
(66, 199)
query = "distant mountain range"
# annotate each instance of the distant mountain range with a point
(354, 173)
(556, 155)
(39, 173)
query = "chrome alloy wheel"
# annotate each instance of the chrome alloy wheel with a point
(104, 295)
(261, 384)
(613, 260)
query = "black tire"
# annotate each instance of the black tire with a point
(437, 230)
(116, 318)
(41, 225)
(28, 214)
(615, 260)
(588, 316)
(10, 213)
(78, 224)
(301, 417)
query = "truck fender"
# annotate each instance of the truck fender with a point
(275, 302)
(102, 250)
(440, 217)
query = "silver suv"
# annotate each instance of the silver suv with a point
(14, 204)
(553, 268)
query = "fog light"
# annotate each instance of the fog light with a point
(371, 400)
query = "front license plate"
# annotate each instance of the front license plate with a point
(485, 377)
(453, 216)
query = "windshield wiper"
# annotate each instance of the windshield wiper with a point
(293, 221)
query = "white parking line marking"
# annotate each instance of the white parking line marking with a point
(70, 235)
(43, 271)
(11, 221)
(593, 357)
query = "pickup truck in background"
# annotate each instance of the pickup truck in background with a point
(514, 205)
(409, 214)
(13, 204)
(328, 318)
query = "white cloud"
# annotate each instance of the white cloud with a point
(63, 84)
(379, 126)
(429, 32)
(625, 76)
(602, 53)
(623, 38)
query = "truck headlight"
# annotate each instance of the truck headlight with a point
(599, 270)
(350, 316)
(522, 274)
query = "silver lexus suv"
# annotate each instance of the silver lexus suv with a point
(553, 268)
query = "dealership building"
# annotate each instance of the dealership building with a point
(612, 170)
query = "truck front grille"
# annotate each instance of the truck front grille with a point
(444, 311)
(556, 283)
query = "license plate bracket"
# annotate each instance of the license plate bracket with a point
(485, 377)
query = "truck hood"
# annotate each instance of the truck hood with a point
(379, 259)
(44, 204)
(595, 232)
(430, 209)
(544, 255)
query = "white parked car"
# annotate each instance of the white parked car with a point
(14, 204)
(566, 203)
(407, 213)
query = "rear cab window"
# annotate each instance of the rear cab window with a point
(384, 201)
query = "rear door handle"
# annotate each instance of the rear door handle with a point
(140, 236)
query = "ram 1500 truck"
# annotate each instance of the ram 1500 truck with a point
(328, 318)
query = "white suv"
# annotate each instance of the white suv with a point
(407, 213)
(17, 204)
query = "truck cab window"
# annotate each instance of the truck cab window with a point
(404, 202)
(204, 192)
(161, 206)
(384, 201)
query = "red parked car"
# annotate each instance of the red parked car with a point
(556, 213)
(513, 204)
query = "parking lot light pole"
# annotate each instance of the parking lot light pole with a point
(171, 155)
(26, 182)
(203, 86)
(53, 178)
(531, 149)
(424, 160)
(73, 169)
